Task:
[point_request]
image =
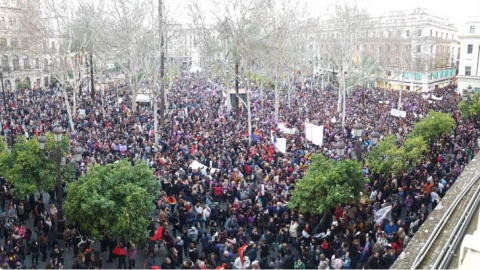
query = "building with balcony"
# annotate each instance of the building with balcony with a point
(414, 49)
(469, 69)
(21, 59)
(183, 47)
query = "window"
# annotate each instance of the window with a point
(37, 63)
(472, 29)
(2, 22)
(436, 33)
(468, 70)
(45, 64)
(53, 46)
(373, 47)
(470, 48)
(446, 36)
(5, 63)
(431, 32)
(25, 44)
(419, 32)
(388, 48)
(389, 34)
(25, 63)
(3, 43)
(14, 43)
(16, 63)
(408, 33)
(419, 49)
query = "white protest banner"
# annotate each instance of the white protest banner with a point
(308, 131)
(281, 145)
(317, 135)
(290, 131)
(398, 113)
(436, 98)
(199, 166)
(425, 96)
(382, 214)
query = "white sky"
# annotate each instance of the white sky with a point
(457, 10)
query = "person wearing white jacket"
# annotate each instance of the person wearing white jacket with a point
(238, 264)
(293, 232)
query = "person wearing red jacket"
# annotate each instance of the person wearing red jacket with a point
(121, 254)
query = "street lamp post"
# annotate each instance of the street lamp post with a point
(375, 137)
(57, 134)
(5, 105)
(340, 147)
(358, 129)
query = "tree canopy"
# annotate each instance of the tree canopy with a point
(27, 169)
(116, 197)
(389, 157)
(470, 108)
(327, 183)
(433, 126)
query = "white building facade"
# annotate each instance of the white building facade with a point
(415, 49)
(21, 60)
(469, 70)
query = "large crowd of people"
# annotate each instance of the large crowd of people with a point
(239, 201)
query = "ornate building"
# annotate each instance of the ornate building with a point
(415, 49)
(22, 61)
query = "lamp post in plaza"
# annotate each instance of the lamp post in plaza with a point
(340, 148)
(6, 108)
(375, 137)
(61, 161)
(358, 129)
(57, 135)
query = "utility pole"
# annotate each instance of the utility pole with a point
(162, 63)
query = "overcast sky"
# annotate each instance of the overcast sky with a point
(456, 10)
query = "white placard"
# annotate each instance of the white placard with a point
(398, 113)
(281, 145)
(317, 135)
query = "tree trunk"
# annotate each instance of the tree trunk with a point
(155, 119)
(400, 97)
(69, 111)
(277, 98)
(162, 64)
(237, 109)
(344, 101)
(91, 80)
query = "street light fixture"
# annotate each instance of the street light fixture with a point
(6, 107)
(41, 142)
(357, 129)
(78, 151)
(340, 147)
(57, 133)
(375, 137)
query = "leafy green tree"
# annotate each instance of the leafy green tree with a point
(327, 183)
(383, 156)
(116, 197)
(389, 157)
(27, 169)
(433, 126)
(470, 108)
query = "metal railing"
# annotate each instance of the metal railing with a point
(444, 257)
